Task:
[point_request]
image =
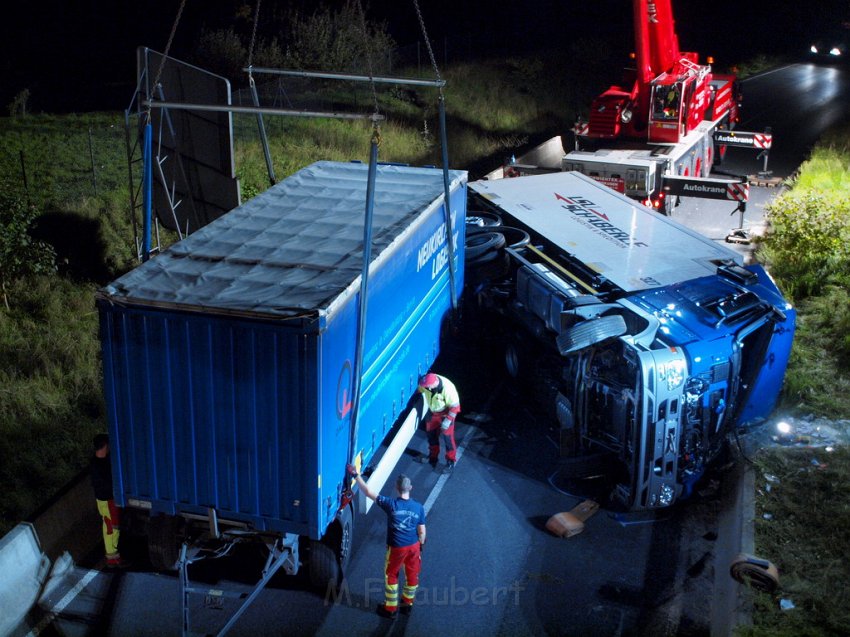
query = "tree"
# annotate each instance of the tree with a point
(20, 254)
(333, 40)
(329, 38)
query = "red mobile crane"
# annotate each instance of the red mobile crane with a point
(670, 93)
(656, 136)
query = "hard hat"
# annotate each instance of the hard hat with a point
(429, 381)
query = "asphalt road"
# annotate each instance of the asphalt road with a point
(490, 567)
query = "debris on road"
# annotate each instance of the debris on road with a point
(755, 572)
(571, 523)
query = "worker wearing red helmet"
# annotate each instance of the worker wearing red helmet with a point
(443, 402)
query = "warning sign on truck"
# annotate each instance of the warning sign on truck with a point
(744, 139)
(733, 190)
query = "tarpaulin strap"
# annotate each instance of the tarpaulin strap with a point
(364, 284)
(755, 572)
(447, 190)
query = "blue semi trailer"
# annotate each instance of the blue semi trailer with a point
(229, 360)
(648, 342)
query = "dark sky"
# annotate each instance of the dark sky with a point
(63, 48)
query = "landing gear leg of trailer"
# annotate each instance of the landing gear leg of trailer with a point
(282, 553)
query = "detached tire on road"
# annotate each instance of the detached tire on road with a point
(590, 332)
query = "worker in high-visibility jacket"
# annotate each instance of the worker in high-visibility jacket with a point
(443, 402)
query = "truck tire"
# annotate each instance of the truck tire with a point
(481, 221)
(164, 540)
(483, 244)
(324, 567)
(589, 333)
(329, 557)
(514, 237)
(345, 520)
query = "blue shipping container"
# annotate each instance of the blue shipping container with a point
(228, 358)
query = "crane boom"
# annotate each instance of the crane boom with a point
(665, 96)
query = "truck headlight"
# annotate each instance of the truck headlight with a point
(626, 116)
(673, 373)
(665, 495)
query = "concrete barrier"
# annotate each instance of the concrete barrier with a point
(23, 569)
(70, 522)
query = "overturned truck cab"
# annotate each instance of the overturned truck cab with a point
(648, 342)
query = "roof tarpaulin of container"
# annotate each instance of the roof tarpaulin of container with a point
(290, 250)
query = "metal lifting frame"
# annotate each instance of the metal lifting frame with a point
(282, 553)
(319, 75)
(152, 159)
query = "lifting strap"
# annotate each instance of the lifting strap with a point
(256, 99)
(367, 257)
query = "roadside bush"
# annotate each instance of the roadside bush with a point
(817, 379)
(20, 254)
(808, 247)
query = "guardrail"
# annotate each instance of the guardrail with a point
(65, 530)
(23, 570)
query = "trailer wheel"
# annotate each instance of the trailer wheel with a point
(345, 520)
(164, 539)
(589, 333)
(329, 557)
(324, 567)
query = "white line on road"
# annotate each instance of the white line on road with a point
(62, 603)
(441, 481)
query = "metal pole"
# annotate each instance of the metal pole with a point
(251, 110)
(24, 175)
(91, 157)
(347, 76)
(130, 146)
(765, 153)
(272, 566)
(184, 589)
(147, 192)
(449, 230)
(364, 282)
(263, 137)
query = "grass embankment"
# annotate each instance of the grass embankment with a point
(803, 497)
(73, 169)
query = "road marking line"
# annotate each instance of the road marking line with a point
(62, 603)
(441, 481)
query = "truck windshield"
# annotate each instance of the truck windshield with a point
(666, 102)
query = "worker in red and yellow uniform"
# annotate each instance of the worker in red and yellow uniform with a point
(101, 480)
(405, 543)
(443, 402)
